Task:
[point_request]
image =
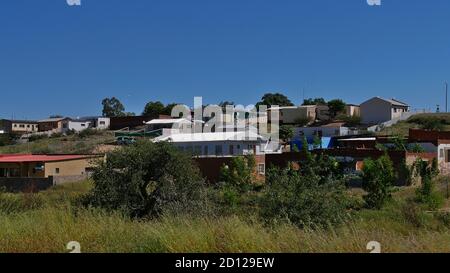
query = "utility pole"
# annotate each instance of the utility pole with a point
(446, 97)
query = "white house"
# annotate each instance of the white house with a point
(378, 110)
(79, 125)
(221, 143)
(101, 123)
(329, 130)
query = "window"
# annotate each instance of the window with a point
(219, 150)
(262, 168)
(441, 153)
(231, 150)
(102, 123)
(14, 172)
(57, 170)
(448, 156)
(15, 125)
(28, 125)
(83, 125)
(22, 125)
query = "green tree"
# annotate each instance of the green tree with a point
(317, 142)
(146, 180)
(154, 109)
(112, 107)
(378, 179)
(270, 99)
(239, 173)
(427, 193)
(335, 107)
(316, 101)
(286, 132)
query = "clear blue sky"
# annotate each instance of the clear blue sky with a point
(57, 59)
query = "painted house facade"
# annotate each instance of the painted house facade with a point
(378, 110)
(79, 125)
(24, 126)
(220, 144)
(55, 125)
(44, 166)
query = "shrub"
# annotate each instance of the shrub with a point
(146, 180)
(378, 177)
(33, 138)
(303, 201)
(427, 194)
(87, 132)
(311, 196)
(239, 172)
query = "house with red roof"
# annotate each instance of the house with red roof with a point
(44, 166)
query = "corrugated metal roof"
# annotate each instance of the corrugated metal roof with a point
(19, 158)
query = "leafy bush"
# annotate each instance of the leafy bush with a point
(239, 172)
(33, 138)
(427, 122)
(146, 180)
(314, 195)
(87, 132)
(427, 192)
(378, 178)
(6, 139)
(303, 200)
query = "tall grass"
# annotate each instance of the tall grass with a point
(50, 221)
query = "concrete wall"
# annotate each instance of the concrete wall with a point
(292, 115)
(79, 126)
(375, 111)
(68, 168)
(352, 111)
(102, 123)
(59, 180)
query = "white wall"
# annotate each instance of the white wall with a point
(102, 123)
(310, 132)
(239, 147)
(78, 126)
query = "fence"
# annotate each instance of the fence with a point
(13, 184)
